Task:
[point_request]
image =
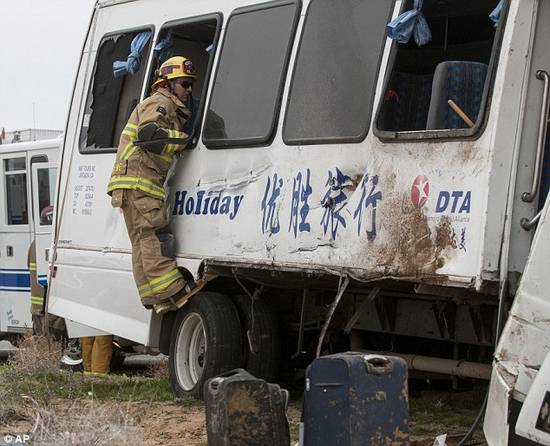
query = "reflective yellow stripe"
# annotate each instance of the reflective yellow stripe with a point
(124, 182)
(170, 149)
(130, 152)
(159, 284)
(130, 130)
(167, 147)
(32, 266)
(125, 155)
(166, 158)
(178, 134)
(174, 272)
(96, 374)
(35, 300)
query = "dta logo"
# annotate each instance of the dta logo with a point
(456, 201)
(420, 191)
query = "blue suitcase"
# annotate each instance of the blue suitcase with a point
(356, 399)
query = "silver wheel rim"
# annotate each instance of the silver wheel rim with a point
(190, 351)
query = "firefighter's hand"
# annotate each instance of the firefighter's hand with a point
(150, 132)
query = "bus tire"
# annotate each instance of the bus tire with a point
(266, 338)
(206, 341)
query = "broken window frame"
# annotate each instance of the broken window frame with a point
(83, 148)
(473, 133)
(265, 140)
(150, 77)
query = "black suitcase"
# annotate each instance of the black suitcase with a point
(242, 410)
(356, 399)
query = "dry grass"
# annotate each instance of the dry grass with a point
(84, 422)
(36, 355)
(29, 387)
(158, 370)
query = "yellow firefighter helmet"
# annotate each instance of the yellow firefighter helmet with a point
(177, 66)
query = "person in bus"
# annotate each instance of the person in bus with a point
(137, 183)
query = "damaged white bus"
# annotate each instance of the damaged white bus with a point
(331, 195)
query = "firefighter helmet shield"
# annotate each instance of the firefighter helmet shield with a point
(175, 67)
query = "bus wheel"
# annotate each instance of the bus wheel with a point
(261, 324)
(206, 341)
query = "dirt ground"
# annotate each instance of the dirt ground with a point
(65, 408)
(173, 424)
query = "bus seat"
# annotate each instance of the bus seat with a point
(407, 102)
(463, 82)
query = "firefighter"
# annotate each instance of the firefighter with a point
(137, 184)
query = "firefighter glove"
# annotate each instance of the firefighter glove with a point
(150, 132)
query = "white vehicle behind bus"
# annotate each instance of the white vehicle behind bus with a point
(27, 188)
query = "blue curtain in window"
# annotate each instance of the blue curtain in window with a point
(164, 48)
(495, 15)
(132, 63)
(410, 23)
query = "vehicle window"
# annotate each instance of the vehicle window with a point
(115, 90)
(46, 188)
(336, 69)
(250, 76)
(194, 39)
(455, 65)
(16, 191)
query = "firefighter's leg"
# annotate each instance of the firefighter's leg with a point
(38, 327)
(164, 278)
(87, 345)
(157, 251)
(134, 220)
(101, 354)
(57, 327)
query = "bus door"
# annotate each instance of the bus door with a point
(15, 315)
(533, 178)
(44, 177)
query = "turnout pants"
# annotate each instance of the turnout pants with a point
(154, 266)
(96, 353)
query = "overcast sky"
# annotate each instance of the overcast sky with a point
(40, 43)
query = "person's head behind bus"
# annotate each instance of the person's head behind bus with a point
(176, 75)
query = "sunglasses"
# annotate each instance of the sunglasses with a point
(186, 84)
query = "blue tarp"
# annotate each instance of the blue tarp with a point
(495, 15)
(410, 23)
(163, 49)
(132, 63)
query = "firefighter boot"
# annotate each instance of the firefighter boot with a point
(180, 299)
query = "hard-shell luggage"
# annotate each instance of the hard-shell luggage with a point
(242, 410)
(356, 399)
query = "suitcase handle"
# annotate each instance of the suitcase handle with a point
(378, 364)
(214, 383)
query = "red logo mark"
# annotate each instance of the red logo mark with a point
(420, 191)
